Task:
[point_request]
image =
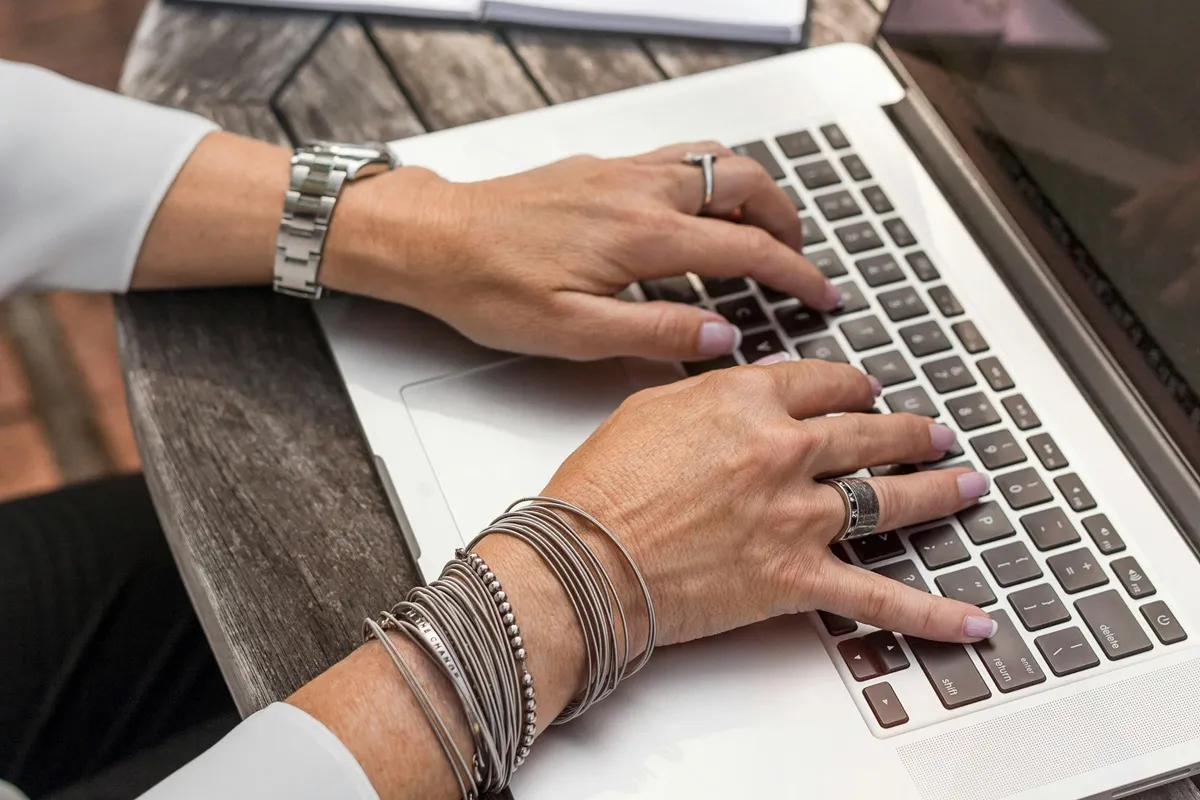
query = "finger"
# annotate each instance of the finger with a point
(657, 330)
(907, 500)
(856, 441)
(888, 604)
(813, 388)
(676, 153)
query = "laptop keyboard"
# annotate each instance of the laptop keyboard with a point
(1038, 552)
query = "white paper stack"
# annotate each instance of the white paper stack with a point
(768, 21)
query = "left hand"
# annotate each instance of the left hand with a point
(531, 262)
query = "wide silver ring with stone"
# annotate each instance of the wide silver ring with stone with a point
(705, 162)
(862, 507)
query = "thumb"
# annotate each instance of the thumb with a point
(888, 604)
(660, 330)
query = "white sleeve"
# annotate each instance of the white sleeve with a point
(280, 753)
(83, 174)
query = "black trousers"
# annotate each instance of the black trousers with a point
(106, 681)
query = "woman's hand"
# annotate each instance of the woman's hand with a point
(531, 263)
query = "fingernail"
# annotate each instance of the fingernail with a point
(833, 296)
(718, 339)
(941, 437)
(876, 386)
(774, 358)
(973, 485)
(980, 627)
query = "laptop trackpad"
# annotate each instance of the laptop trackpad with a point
(498, 433)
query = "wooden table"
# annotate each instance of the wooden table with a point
(259, 474)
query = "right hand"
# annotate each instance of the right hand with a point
(712, 485)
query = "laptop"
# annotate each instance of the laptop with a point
(962, 182)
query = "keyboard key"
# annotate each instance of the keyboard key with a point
(1050, 529)
(899, 232)
(880, 270)
(700, 367)
(674, 290)
(1039, 607)
(811, 231)
(985, 523)
(889, 368)
(972, 340)
(904, 571)
(1077, 495)
(998, 450)
(1131, 576)
(950, 671)
(1007, 657)
(828, 262)
(945, 300)
(891, 470)
(967, 585)
(825, 348)
(836, 625)
(1011, 564)
(876, 199)
(723, 287)
(939, 547)
(859, 237)
(1077, 570)
(948, 374)
(902, 304)
(865, 333)
(1023, 489)
(995, 374)
(772, 295)
(856, 168)
(1022, 415)
(794, 196)
(760, 345)
(798, 144)
(879, 547)
(973, 411)
(852, 299)
(858, 658)
(1104, 534)
(1047, 451)
(760, 153)
(921, 265)
(886, 651)
(817, 174)
(1066, 651)
(912, 401)
(833, 134)
(885, 705)
(1163, 622)
(745, 312)
(1113, 625)
(925, 338)
(796, 320)
(838, 205)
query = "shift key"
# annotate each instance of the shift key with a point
(951, 671)
(1008, 658)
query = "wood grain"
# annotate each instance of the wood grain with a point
(573, 66)
(677, 57)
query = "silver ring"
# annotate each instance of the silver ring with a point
(862, 507)
(705, 161)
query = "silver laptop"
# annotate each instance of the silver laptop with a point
(958, 182)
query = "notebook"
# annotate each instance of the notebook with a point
(767, 21)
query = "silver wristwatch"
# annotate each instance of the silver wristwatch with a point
(319, 170)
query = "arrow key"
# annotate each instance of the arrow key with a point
(885, 651)
(857, 656)
(885, 705)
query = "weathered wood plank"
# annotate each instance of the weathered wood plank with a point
(677, 57)
(344, 92)
(455, 75)
(226, 54)
(262, 481)
(571, 66)
(842, 21)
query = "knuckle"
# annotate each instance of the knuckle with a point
(670, 328)
(878, 600)
(756, 244)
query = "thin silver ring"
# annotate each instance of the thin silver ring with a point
(861, 504)
(705, 161)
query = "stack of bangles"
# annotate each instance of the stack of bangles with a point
(465, 624)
